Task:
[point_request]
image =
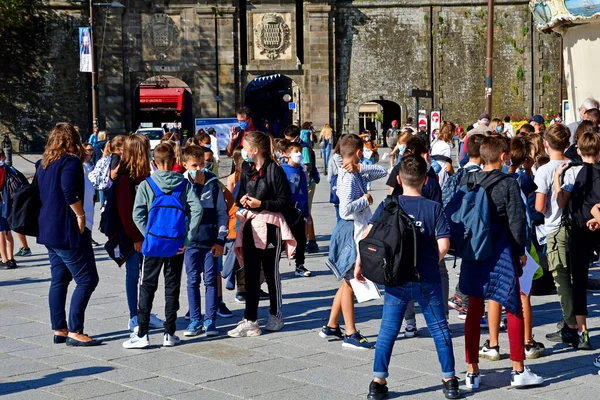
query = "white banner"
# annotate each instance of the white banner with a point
(85, 50)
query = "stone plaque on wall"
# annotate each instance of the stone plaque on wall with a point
(272, 36)
(161, 34)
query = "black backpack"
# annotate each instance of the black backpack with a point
(389, 252)
(25, 208)
(585, 196)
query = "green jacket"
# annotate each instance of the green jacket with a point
(167, 181)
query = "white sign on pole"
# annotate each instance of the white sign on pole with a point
(435, 120)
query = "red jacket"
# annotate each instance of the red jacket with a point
(125, 196)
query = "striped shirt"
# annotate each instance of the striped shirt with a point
(351, 188)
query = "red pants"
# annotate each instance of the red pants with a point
(516, 332)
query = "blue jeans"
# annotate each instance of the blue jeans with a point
(132, 278)
(101, 197)
(71, 264)
(325, 153)
(198, 261)
(394, 307)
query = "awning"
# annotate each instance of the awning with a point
(161, 99)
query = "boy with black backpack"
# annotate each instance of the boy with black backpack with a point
(580, 191)
(168, 212)
(421, 281)
(492, 247)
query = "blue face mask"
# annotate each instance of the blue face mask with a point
(246, 156)
(243, 125)
(499, 129)
(208, 167)
(401, 150)
(192, 173)
(207, 146)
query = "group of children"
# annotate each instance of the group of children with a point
(266, 205)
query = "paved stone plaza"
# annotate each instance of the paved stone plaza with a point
(292, 364)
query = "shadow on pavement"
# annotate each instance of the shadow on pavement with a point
(49, 380)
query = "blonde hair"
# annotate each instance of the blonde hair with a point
(111, 147)
(176, 149)
(262, 142)
(326, 132)
(102, 135)
(136, 156)
(63, 139)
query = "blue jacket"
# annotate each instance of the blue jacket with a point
(214, 225)
(342, 249)
(495, 278)
(61, 184)
(296, 176)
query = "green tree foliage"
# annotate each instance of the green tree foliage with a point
(15, 13)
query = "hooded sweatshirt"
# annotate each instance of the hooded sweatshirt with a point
(167, 181)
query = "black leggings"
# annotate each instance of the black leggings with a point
(269, 260)
(583, 242)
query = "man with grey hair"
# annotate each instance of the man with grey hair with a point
(587, 104)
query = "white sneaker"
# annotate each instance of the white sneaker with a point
(472, 380)
(488, 352)
(155, 322)
(275, 324)
(410, 331)
(133, 323)
(170, 340)
(245, 328)
(525, 378)
(136, 342)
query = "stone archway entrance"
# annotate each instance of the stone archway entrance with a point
(376, 116)
(163, 99)
(275, 98)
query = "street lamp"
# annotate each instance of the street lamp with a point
(114, 4)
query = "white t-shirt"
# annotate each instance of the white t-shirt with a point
(570, 176)
(510, 131)
(544, 179)
(88, 197)
(214, 146)
(441, 148)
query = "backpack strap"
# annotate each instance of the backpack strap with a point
(491, 180)
(154, 187)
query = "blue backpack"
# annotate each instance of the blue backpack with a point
(468, 214)
(166, 223)
(333, 197)
(453, 183)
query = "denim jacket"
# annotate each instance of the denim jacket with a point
(342, 249)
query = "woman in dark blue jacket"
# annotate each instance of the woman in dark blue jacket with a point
(62, 230)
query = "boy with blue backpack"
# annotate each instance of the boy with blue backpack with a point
(168, 212)
(201, 256)
(488, 223)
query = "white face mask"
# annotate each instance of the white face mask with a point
(1, 163)
(296, 157)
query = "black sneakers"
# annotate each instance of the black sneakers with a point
(564, 335)
(378, 391)
(451, 388)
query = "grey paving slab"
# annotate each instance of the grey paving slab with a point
(162, 386)
(340, 380)
(304, 392)
(282, 365)
(13, 366)
(156, 360)
(253, 384)
(205, 371)
(91, 388)
(204, 394)
(31, 394)
(130, 395)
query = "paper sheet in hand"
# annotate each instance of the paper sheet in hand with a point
(528, 271)
(365, 291)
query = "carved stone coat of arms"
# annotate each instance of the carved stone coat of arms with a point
(161, 36)
(272, 35)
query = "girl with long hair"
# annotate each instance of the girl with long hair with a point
(133, 170)
(325, 141)
(61, 184)
(264, 194)
(441, 152)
